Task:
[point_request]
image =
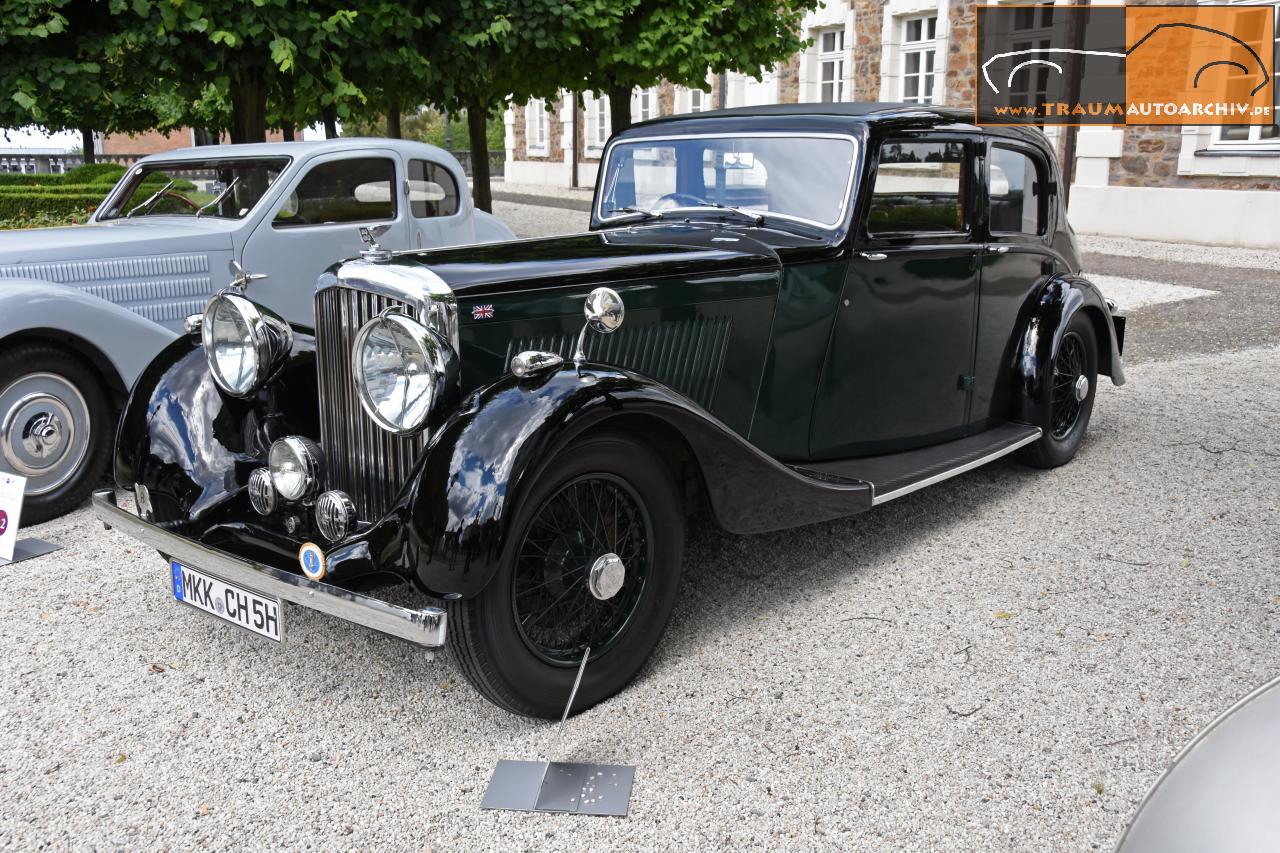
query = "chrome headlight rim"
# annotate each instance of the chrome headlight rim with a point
(435, 351)
(270, 337)
(307, 454)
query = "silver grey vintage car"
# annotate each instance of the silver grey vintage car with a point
(84, 309)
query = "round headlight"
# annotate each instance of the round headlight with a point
(401, 368)
(295, 467)
(242, 344)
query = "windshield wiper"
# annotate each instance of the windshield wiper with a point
(155, 197)
(645, 215)
(220, 197)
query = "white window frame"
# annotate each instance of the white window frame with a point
(535, 128)
(596, 129)
(699, 101)
(833, 65)
(1255, 142)
(644, 104)
(926, 48)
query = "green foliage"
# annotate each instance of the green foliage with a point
(98, 175)
(428, 126)
(33, 206)
(44, 220)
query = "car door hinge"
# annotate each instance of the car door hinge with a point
(964, 383)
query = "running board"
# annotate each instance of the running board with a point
(897, 474)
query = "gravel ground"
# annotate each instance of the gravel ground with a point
(1004, 661)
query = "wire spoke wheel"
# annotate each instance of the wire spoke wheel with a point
(555, 611)
(1068, 369)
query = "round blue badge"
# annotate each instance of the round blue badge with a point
(312, 560)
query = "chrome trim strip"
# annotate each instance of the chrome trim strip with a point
(643, 140)
(425, 627)
(876, 500)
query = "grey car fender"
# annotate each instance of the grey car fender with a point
(99, 330)
(491, 229)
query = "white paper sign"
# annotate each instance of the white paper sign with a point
(11, 488)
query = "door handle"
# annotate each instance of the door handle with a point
(998, 250)
(873, 256)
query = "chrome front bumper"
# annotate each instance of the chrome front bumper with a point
(426, 627)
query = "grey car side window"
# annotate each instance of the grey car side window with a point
(341, 191)
(432, 190)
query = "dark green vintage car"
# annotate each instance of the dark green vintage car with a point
(784, 314)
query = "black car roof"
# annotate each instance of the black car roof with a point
(850, 112)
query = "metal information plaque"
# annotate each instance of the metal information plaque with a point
(567, 787)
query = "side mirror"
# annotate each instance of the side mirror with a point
(604, 311)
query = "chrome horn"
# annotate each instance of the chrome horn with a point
(605, 312)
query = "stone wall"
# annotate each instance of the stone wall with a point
(555, 128)
(789, 80)
(868, 19)
(1149, 158)
(962, 48)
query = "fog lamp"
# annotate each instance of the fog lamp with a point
(295, 467)
(335, 515)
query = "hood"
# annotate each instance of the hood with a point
(596, 257)
(113, 239)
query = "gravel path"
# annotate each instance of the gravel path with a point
(1004, 661)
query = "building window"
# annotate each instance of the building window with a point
(1265, 137)
(597, 126)
(644, 105)
(535, 127)
(698, 101)
(831, 65)
(919, 58)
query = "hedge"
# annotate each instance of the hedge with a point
(97, 174)
(34, 205)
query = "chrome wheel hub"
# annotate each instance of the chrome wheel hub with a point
(1082, 387)
(44, 430)
(606, 577)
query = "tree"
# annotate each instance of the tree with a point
(680, 40)
(70, 65)
(488, 51)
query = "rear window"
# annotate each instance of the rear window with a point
(1017, 193)
(919, 188)
(358, 190)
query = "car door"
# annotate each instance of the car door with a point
(438, 214)
(899, 364)
(1017, 256)
(316, 222)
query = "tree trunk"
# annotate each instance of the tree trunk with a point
(330, 122)
(249, 106)
(619, 109)
(86, 142)
(287, 132)
(477, 134)
(393, 120)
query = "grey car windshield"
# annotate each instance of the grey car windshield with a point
(806, 178)
(226, 189)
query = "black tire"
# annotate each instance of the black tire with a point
(41, 386)
(507, 663)
(1063, 417)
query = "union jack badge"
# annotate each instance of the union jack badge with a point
(482, 312)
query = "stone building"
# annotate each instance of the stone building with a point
(1194, 184)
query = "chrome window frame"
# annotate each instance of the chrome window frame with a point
(846, 201)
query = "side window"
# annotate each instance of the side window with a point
(357, 190)
(919, 188)
(1016, 186)
(432, 190)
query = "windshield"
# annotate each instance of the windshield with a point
(806, 178)
(227, 189)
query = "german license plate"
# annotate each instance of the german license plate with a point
(250, 610)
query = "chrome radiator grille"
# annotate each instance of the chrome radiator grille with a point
(362, 459)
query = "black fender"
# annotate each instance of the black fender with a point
(465, 495)
(194, 447)
(1053, 307)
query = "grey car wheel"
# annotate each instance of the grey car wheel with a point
(53, 428)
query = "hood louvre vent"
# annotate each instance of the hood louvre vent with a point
(687, 355)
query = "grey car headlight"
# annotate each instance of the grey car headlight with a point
(244, 343)
(402, 370)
